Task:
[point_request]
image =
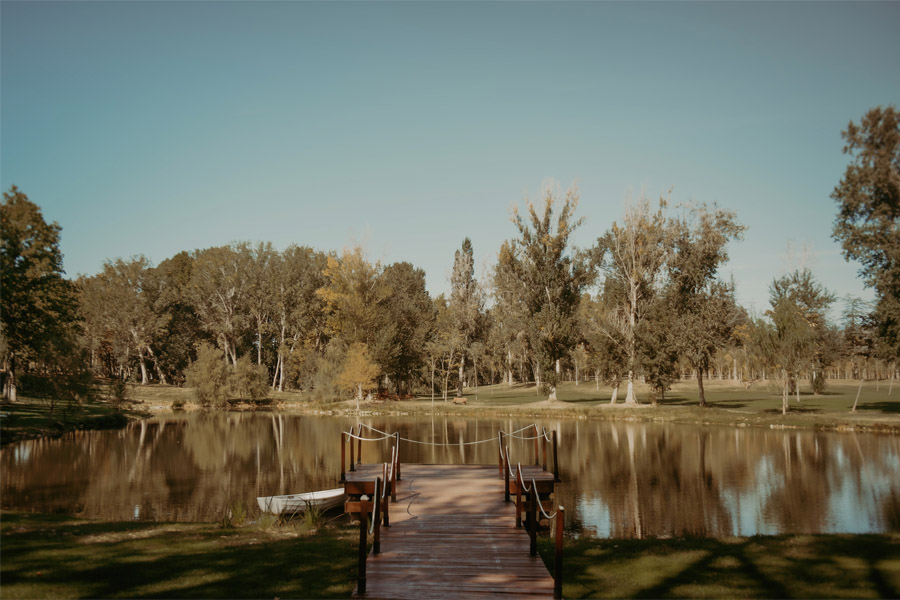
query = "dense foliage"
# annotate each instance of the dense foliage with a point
(644, 301)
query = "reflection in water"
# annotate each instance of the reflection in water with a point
(623, 479)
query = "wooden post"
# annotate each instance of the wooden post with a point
(352, 460)
(518, 503)
(343, 456)
(398, 454)
(500, 454)
(558, 554)
(555, 459)
(537, 450)
(506, 475)
(363, 530)
(544, 448)
(359, 447)
(532, 519)
(376, 517)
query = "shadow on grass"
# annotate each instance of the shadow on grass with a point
(106, 560)
(885, 407)
(786, 566)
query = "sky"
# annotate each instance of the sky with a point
(156, 127)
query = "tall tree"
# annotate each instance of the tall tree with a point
(466, 304)
(704, 307)
(299, 316)
(798, 308)
(356, 300)
(218, 290)
(38, 310)
(260, 295)
(634, 254)
(551, 276)
(412, 313)
(122, 295)
(868, 221)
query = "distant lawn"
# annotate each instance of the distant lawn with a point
(785, 566)
(48, 556)
(31, 417)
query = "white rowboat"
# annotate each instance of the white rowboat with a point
(321, 500)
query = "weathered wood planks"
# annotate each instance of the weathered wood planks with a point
(453, 536)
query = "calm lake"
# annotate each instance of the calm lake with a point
(619, 479)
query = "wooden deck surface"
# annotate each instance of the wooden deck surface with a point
(452, 536)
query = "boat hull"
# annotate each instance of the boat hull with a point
(321, 500)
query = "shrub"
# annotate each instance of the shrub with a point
(208, 375)
(249, 381)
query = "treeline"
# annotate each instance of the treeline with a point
(644, 301)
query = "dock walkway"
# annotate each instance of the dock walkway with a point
(452, 535)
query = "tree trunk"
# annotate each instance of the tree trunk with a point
(700, 387)
(552, 396)
(784, 394)
(615, 393)
(459, 387)
(629, 394)
(10, 390)
(143, 370)
(858, 390)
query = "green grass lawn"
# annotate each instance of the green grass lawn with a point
(785, 566)
(49, 556)
(30, 418)
(55, 556)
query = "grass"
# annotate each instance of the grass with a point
(64, 557)
(30, 418)
(786, 566)
(728, 404)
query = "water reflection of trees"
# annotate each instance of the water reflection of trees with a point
(667, 480)
(649, 479)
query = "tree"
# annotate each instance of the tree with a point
(705, 309)
(208, 375)
(633, 254)
(299, 313)
(217, 292)
(411, 311)
(260, 292)
(120, 300)
(356, 300)
(359, 373)
(249, 381)
(466, 304)
(549, 276)
(868, 221)
(38, 312)
(798, 331)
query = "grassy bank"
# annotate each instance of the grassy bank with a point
(758, 405)
(64, 557)
(30, 418)
(49, 556)
(804, 566)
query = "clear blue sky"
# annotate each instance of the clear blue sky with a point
(155, 127)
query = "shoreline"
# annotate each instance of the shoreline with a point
(729, 406)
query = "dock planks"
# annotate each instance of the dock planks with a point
(452, 536)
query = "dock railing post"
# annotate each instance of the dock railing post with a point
(555, 459)
(500, 454)
(558, 554)
(544, 448)
(532, 519)
(359, 447)
(376, 517)
(506, 474)
(537, 449)
(352, 459)
(363, 530)
(343, 456)
(398, 455)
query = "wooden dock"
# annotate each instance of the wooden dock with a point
(452, 535)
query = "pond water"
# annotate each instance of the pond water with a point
(619, 479)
